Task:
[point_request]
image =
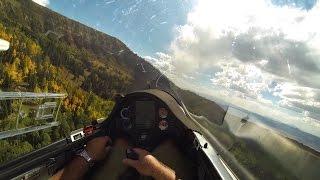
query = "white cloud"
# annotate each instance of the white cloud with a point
(248, 48)
(163, 62)
(245, 78)
(301, 99)
(42, 2)
(218, 17)
(250, 31)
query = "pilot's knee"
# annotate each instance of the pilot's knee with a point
(122, 142)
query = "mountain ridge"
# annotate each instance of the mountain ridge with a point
(52, 53)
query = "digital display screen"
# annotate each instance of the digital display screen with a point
(145, 114)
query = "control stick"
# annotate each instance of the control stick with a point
(131, 154)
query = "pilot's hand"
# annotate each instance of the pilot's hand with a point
(97, 148)
(148, 165)
(76, 169)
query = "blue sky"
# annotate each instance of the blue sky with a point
(304, 4)
(146, 26)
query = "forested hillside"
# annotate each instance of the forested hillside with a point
(51, 53)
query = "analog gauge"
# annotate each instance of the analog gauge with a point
(163, 125)
(124, 113)
(163, 113)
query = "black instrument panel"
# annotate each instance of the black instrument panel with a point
(146, 121)
(145, 115)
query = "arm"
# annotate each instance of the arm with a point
(148, 165)
(77, 168)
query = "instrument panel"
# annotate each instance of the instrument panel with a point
(146, 121)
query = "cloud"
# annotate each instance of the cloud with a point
(301, 99)
(244, 78)
(286, 58)
(249, 31)
(42, 2)
(163, 62)
(254, 52)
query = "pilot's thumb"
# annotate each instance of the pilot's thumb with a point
(130, 162)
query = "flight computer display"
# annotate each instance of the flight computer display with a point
(145, 114)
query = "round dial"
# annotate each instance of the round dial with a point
(163, 113)
(124, 113)
(163, 125)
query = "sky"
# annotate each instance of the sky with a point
(261, 55)
(146, 26)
